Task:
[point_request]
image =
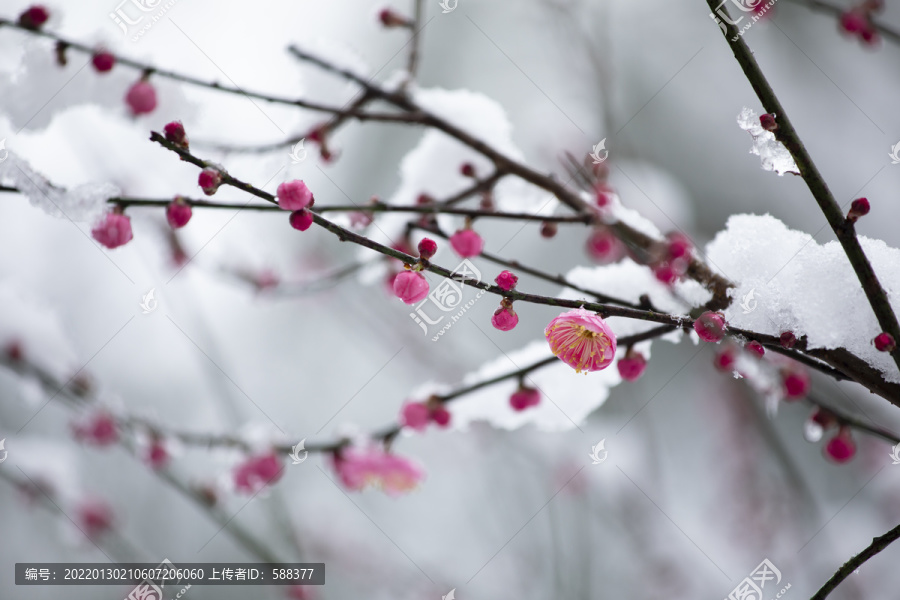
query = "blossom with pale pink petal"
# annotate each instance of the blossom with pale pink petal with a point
(257, 472)
(294, 195)
(467, 243)
(582, 340)
(410, 286)
(358, 467)
(113, 230)
(141, 98)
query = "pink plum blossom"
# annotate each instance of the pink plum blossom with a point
(258, 472)
(467, 243)
(294, 195)
(410, 286)
(113, 230)
(582, 340)
(359, 467)
(141, 98)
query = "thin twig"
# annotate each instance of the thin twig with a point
(878, 544)
(837, 11)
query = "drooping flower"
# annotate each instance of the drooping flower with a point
(841, 447)
(725, 358)
(795, 381)
(359, 467)
(505, 317)
(103, 61)
(632, 365)
(710, 326)
(582, 340)
(258, 472)
(178, 213)
(410, 286)
(98, 429)
(113, 230)
(524, 397)
(294, 195)
(440, 415)
(467, 243)
(141, 97)
(301, 219)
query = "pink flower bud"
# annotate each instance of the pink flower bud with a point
(294, 195)
(390, 18)
(505, 318)
(788, 339)
(98, 429)
(467, 169)
(427, 248)
(415, 415)
(34, 17)
(679, 247)
(604, 247)
(467, 243)
(440, 415)
(582, 340)
(209, 181)
(710, 326)
(175, 133)
(884, 342)
(548, 229)
(95, 517)
(141, 98)
(301, 219)
(665, 273)
(113, 230)
(257, 472)
(795, 381)
(506, 281)
(410, 286)
(632, 366)
(724, 358)
(156, 455)
(756, 348)
(768, 122)
(853, 21)
(859, 208)
(178, 213)
(103, 61)
(841, 448)
(523, 398)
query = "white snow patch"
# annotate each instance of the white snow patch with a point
(772, 153)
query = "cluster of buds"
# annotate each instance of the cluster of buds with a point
(417, 415)
(674, 260)
(858, 21)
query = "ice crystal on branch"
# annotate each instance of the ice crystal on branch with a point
(772, 153)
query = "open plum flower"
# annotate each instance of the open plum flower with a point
(582, 340)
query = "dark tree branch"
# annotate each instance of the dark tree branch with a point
(842, 227)
(878, 544)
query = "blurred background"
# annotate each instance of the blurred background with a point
(700, 485)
